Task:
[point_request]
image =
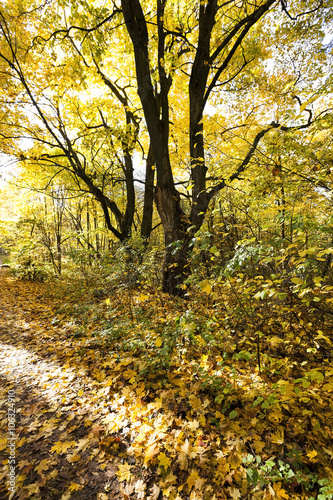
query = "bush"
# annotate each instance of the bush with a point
(31, 272)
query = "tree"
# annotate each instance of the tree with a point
(214, 43)
(90, 138)
(179, 59)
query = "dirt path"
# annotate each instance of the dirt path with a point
(52, 412)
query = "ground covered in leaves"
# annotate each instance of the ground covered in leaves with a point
(137, 395)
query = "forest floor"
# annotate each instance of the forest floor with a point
(58, 433)
(140, 396)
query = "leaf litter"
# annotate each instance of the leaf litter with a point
(130, 398)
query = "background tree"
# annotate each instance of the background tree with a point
(71, 130)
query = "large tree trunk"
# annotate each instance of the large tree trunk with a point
(176, 266)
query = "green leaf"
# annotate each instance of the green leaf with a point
(257, 401)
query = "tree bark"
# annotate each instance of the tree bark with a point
(148, 203)
(176, 266)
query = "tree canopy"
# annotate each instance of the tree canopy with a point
(208, 95)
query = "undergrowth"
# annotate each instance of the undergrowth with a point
(227, 394)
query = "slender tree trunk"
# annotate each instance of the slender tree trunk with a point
(59, 253)
(148, 204)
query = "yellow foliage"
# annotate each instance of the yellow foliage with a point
(150, 453)
(124, 472)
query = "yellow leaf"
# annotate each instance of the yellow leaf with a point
(82, 444)
(75, 487)
(192, 478)
(193, 425)
(143, 297)
(235, 493)
(109, 418)
(99, 375)
(200, 340)
(3, 443)
(73, 458)
(280, 492)
(62, 446)
(287, 87)
(80, 393)
(205, 286)
(185, 447)
(43, 465)
(21, 442)
(311, 454)
(158, 342)
(305, 104)
(297, 281)
(164, 461)
(170, 479)
(124, 472)
(102, 496)
(276, 415)
(278, 436)
(150, 453)
(33, 489)
(258, 445)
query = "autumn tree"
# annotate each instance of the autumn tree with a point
(90, 138)
(212, 43)
(171, 64)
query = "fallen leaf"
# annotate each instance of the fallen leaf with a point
(311, 454)
(234, 492)
(192, 479)
(124, 472)
(73, 458)
(75, 487)
(164, 461)
(62, 446)
(205, 286)
(280, 492)
(42, 466)
(150, 453)
(140, 488)
(66, 495)
(3, 443)
(155, 492)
